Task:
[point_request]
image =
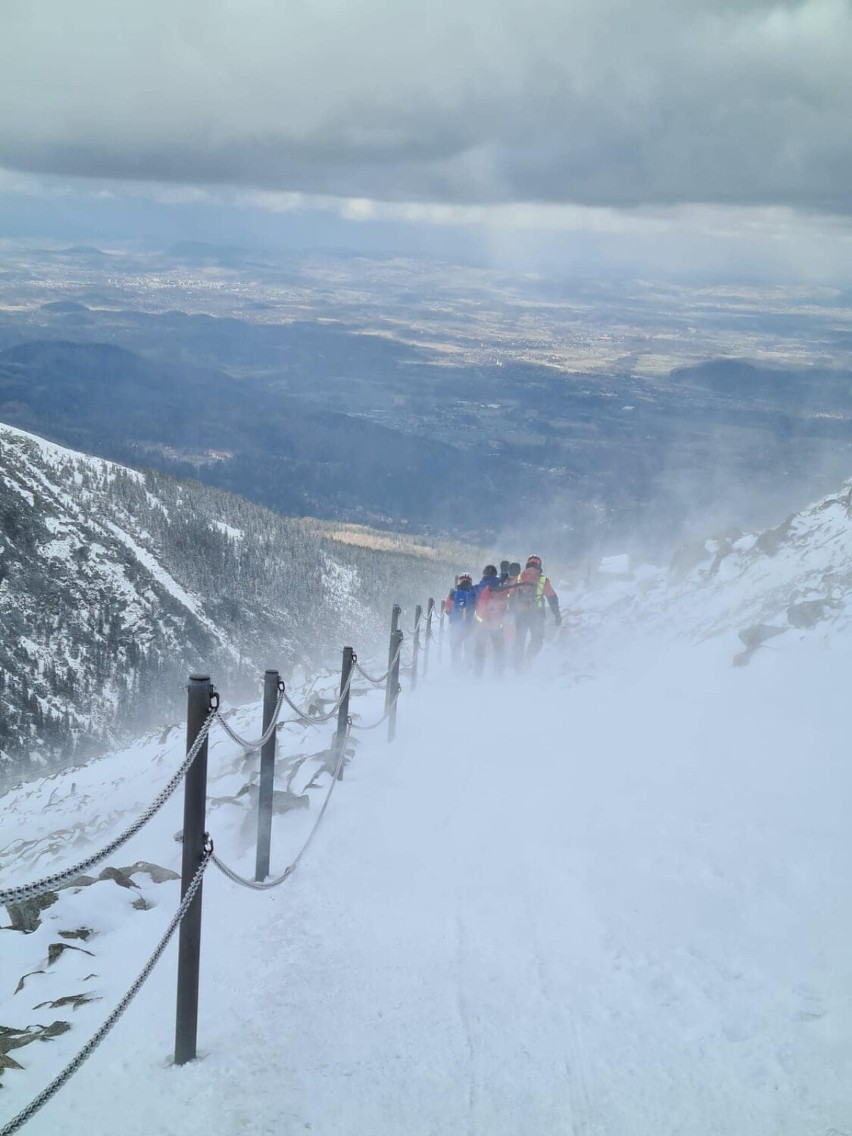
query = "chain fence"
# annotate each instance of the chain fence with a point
(384, 717)
(268, 885)
(270, 730)
(382, 678)
(318, 719)
(50, 883)
(20, 894)
(24, 892)
(95, 1040)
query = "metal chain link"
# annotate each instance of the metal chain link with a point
(267, 885)
(254, 885)
(382, 678)
(247, 745)
(318, 719)
(95, 1040)
(384, 717)
(409, 665)
(50, 883)
(375, 680)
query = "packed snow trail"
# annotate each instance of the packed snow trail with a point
(620, 907)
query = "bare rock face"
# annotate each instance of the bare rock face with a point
(807, 614)
(687, 557)
(771, 541)
(754, 637)
(11, 1038)
(26, 915)
(282, 800)
(57, 950)
(73, 1000)
(119, 876)
(155, 872)
(83, 933)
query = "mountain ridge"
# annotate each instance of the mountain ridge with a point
(115, 583)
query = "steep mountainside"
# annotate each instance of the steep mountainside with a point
(114, 584)
(751, 586)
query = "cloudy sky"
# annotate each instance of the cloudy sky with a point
(696, 122)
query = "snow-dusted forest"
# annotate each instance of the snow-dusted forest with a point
(115, 584)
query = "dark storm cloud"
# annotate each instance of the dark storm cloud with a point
(601, 102)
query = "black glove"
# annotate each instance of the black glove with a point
(557, 615)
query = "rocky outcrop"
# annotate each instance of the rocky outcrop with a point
(754, 637)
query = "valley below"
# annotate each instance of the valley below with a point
(419, 395)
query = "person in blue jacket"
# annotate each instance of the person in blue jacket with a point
(459, 608)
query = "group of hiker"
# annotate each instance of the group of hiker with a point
(504, 613)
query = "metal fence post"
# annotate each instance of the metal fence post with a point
(430, 609)
(343, 711)
(391, 652)
(267, 778)
(418, 615)
(194, 809)
(393, 684)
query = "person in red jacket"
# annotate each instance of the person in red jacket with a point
(488, 620)
(528, 607)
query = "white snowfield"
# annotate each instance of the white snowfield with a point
(612, 897)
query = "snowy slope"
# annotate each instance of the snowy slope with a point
(611, 897)
(796, 576)
(115, 584)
